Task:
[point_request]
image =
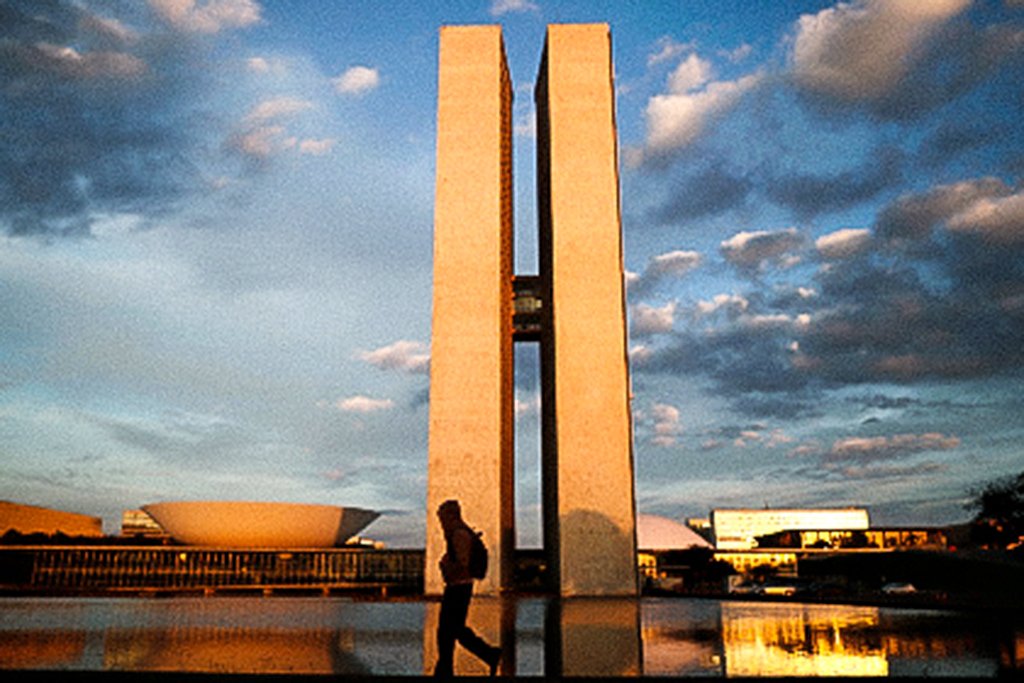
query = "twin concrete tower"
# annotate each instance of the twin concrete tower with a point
(575, 309)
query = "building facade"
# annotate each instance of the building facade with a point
(738, 529)
(31, 519)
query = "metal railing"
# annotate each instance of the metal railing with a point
(187, 567)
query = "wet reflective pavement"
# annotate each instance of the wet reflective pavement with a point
(652, 637)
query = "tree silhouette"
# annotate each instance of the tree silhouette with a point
(999, 513)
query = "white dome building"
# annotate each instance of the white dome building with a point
(661, 533)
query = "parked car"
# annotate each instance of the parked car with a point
(777, 589)
(738, 585)
(898, 588)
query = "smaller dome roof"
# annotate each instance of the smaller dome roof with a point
(661, 533)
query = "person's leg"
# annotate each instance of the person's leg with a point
(454, 606)
(474, 643)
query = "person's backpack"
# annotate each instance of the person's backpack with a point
(477, 555)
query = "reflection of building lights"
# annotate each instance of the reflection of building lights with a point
(799, 640)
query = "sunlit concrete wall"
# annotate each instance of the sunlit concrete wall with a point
(471, 394)
(588, 494)
(29, 519)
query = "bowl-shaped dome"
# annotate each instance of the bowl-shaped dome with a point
(259, 525)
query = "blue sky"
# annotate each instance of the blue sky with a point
(215, 250)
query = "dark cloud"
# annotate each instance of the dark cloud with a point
(915, 216)
(711, 191)
(811, 195)
(93, 118)
(780, 406)
(952, 311)
(952, 139)
(663, 268)
(747, 364)
(887, 323)
(885, 402)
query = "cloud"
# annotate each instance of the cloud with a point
(843, 244)
(692, 104)
(734, 304)
(405, 355)
(264, 135)
(661, 424)
(915, 216)
(667, 49)
(207, 17)
(953, 138)
(258, 65)
(691, 74)
(755, 251)
(746, 358)
(364, 405)
(107, 113)
(896, 60)
(950, 308)
(500, 7)
(874, 471)
(317, 147)
(667, 426)
(277, 108)
(738, 54)
(863, 50)
(357, 81)
(676, 120)
(647, 320)
(261, 142)
(672, 264)
(707, 192)
(999, 220)
(809, 195)
(109, 28)
(69, 62)
(881, 318)
(870, 449)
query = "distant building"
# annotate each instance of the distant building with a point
(30, 519)
(879, 538)
(661, 533)
(138, 524)
(738, 529)
(658, 538)
(702, 525)
(783, 563)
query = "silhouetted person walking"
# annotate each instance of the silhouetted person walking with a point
(457, 569)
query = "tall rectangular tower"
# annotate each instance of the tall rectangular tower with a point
(587, 457)
(589, 510)
(471, 393)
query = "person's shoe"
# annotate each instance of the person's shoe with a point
(493, 660)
